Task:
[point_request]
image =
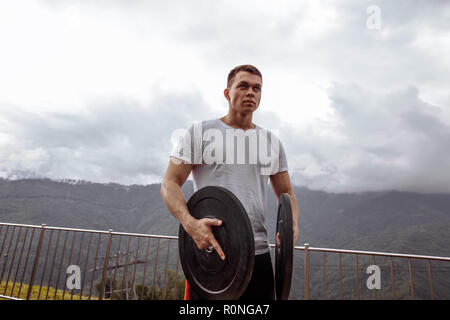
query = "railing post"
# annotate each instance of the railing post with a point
(357, 279)
(375, 289)
(324, 276)
(394, 297)
(411, 280)
(306, 271)
(341, 295)
(36, 260)
(105, 265)
(431, 279)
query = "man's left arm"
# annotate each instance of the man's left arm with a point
(281, 183)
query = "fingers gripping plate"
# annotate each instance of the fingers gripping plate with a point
(208, 275)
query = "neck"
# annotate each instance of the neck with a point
(239, 121)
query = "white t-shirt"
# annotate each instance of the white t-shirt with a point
(238, 160)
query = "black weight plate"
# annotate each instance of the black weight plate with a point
(284, 254)
(209, 276)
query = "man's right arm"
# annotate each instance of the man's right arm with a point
(172, 195)
(176, 175)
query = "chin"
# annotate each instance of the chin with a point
(249, 107)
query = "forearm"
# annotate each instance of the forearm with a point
(199, 230)
(295, 213)
(173, 197)
(295, 209)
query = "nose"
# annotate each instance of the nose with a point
(250, 93)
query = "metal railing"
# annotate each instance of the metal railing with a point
(389, 265)
(118, 265)
(110, 265)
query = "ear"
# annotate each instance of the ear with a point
(226, 93)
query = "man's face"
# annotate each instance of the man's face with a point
(245, 92)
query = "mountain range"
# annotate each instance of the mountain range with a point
(388, 221)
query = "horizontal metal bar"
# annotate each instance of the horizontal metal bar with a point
(9, 298)
(386, 254)
(92, 231)
(52, 228)
(272, 245)
(20, 225)
(77, 230)
(145, 235)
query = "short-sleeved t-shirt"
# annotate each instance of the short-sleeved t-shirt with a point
(238, 160)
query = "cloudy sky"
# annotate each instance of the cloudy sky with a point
(358, 90)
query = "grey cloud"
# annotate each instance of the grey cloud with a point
(118, 140)
(373, 142)
(382, 135)
(227, 35)
(380, 142)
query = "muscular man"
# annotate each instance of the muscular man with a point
(209, 151)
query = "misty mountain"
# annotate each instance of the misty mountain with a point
(387, 221)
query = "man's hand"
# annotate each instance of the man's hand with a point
(294, 237)
(201, 232)
(281, 183)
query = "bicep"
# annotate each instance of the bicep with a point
(281, 183)
(177, 171)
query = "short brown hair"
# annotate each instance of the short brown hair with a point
(245, 67)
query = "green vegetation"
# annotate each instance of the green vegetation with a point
(37, 293)
(174, 290)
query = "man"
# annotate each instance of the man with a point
(246, 179)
